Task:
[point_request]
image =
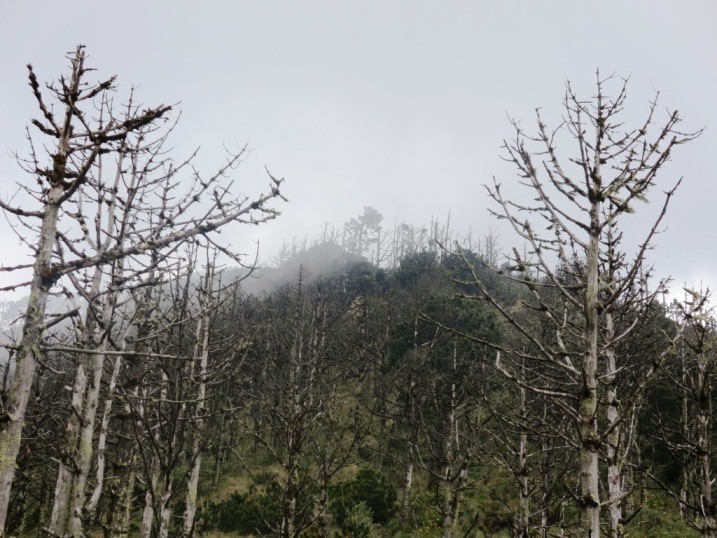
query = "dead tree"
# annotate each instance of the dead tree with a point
(689, 436)
(451, 434)
(126, 374)
(199, 375)
(529, 442)
(113, 217)
(307, 425)
(577, 275)
(87, 125)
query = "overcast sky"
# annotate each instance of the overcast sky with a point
(400, 105)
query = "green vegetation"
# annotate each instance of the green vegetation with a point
(382, 382)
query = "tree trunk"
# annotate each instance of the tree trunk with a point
(126, 496)
(522, 523)
(324, 480)
(197, 449)
(685, 431)
(102, 440)
(165, 509)
(407, 490)
(704, 445)
(588, 399)
(614, 437)
(42, 281)
(19, 393)
(288, 524)
(69, 463)
(219, 460)
(148, 512)
(191, 498)
(452, 484)
(85, 452)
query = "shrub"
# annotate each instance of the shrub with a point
(358, 522)
(243, 513)
(368, 487)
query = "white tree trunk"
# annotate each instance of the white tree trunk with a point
(191, 498)
(148, 512)
(69, 463)
(452, 484)
(203, 360)
(522, 523)
(407, 489)
(685, 431)
(102, 440)
(85, 452)
(704, 444)
(588, 404)
(19, 393)
(165, 510)
(614, 427)
(42, 281)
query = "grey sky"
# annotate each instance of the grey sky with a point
(401, 105)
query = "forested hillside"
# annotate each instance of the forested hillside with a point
(374, 381)
(364, 401)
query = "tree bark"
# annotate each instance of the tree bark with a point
(198, 446)
(407, 489)
(19, 393)
(101, 460)
(588, 401)
(149, 496)
(614, 436)
(704, 445)
(70, 465)
(523, 516)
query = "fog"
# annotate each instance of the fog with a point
(402, 106)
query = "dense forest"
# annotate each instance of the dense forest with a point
(373, 381)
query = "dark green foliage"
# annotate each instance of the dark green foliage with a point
(358, 522)
(384, 366)
(415, 269)
(256, 512)
(362, 278)
(492, 500)
(369, 487)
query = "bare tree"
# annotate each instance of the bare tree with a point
(689, 436)
(529, 441)
(578, 277)
(113, 219)
(199, 375)
(451, 434)
(308, 424)
(89, 125)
